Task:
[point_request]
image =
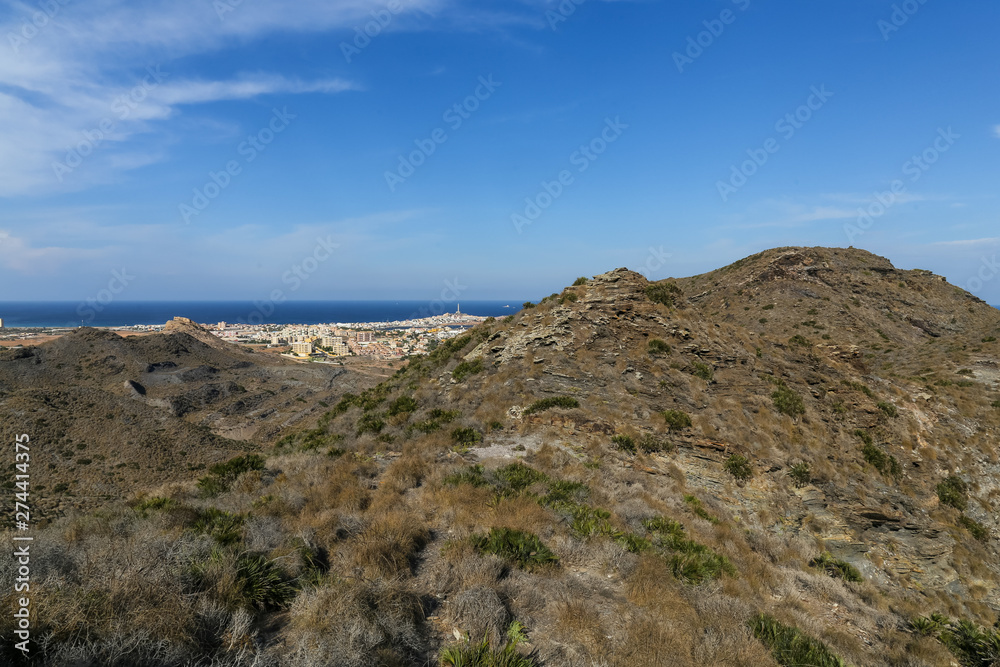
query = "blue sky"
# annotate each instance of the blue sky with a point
(225, 149)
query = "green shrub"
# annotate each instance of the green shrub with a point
(444, 416)
(650, 444)
(990, 339)
(888, 408)
(427, 426)
(789, 646)
(658, 348)
(666, 293)
(482, 654)
(676, 420)
(522, 548)
(370, 423)
(703, 371)
(552, 402)
(143, 507)
(226, 528)
(527, 304)
(978, 530)
(995, 404)
(699, 510)
(689, 561)
(786, 401)
(972, 645)
(466, 437)
(473, 476)
(857, 386)
(467, 368)
(965, 371)
(800, 340)
(402, 405)
(516, 477)
(633, 543)
(739, 467)
(864, 435)
(588, 521)
(222, 475)
(579, 281)
(800, 474)
(954, 492)
(564, 493)
(884, 463)
(769, 306)
(261, 584)
(925, 626)
(836, 568)
(568, 297)
(624, 442)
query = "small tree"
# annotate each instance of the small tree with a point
(739, 467)
(676, 420)
(800, 474)
(786, 401)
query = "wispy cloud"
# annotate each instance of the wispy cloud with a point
(82, 82)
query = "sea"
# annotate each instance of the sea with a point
(18, 314)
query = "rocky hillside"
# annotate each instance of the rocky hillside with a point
(108, 412)
(791, 460)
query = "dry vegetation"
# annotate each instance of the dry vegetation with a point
(559, 489)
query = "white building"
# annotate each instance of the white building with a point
(304, 348)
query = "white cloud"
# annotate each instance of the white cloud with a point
(67, 75)
(996, 131)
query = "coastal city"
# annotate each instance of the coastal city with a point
(324, 342)
(304, 342)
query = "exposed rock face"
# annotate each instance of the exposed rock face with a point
(868, 347)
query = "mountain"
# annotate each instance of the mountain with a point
(790, 460)
(109, 413)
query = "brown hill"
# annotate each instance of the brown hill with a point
(107, 413)
(791, 460)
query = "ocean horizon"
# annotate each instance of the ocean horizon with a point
(47, 314)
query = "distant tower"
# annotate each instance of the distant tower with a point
(458, 309)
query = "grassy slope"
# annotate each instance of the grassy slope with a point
(375, 537)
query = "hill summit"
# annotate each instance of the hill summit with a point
(790, 460)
